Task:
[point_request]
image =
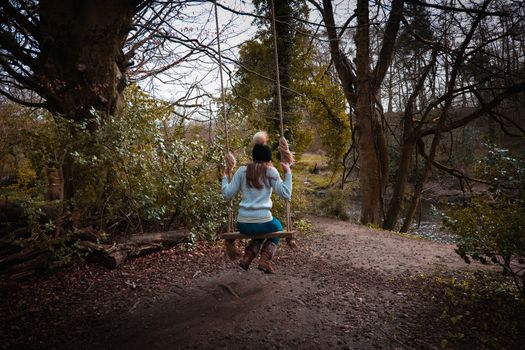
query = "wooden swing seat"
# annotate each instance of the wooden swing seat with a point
(238, 235)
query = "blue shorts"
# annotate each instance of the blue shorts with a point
(261, 228)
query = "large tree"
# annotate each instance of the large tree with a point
(255, 89)
(75, 57)
(432, 80)
(361, 82)
(71, 55)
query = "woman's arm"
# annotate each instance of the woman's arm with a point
(230, 189)
(282, 188)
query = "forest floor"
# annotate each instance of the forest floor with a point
(346, 287)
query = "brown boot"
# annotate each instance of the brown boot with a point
(267, 252)
(231, 249)
(250, 252)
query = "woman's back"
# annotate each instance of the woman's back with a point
(256, 203)
(256, 181)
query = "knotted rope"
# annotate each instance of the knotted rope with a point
(231, 162)
(286, 155)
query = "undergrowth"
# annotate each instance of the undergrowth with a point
(478, 310)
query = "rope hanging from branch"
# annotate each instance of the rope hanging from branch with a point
(286, 155)
(229, 157)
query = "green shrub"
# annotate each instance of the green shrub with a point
(136, 172)
(491, 228)
(153, 177)
(298, 204)
(480, 310)
(491, 232)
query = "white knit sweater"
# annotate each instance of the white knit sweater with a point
(256, 205)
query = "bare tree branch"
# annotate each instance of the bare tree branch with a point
(458, 9)
(488, 106)
(23, 102)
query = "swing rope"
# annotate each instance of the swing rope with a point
(286, 155)
(223, 97)
(230, 158)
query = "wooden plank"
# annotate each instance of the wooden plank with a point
(280, 234)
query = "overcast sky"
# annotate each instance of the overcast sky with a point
(198, 20)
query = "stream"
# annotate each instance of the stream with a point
(426, 224)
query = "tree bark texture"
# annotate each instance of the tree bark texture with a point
(82, 61)
(360, 90)
(373, 156)
(81, 65)
(409, 142)
(369, 174)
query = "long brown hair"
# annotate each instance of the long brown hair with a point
(256, 174)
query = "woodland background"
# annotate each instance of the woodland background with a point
(384, 102)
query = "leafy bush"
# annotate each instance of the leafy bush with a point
(506, 172)
(480, 310)
(145, 174)
(298, 204)
(140, 171)
(491, 229)
(136, 172)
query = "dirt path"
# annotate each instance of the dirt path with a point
(347, 287)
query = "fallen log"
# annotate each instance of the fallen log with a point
(114, 255)
(28, 267)
(115, 259)
(17, 262)
(19, 257)
(168, 238)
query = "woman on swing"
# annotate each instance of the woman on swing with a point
(256, 182)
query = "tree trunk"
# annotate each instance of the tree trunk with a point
(364, 112)
(373, 158)
(409, 142)
(360, 91)
(396, 202)
(370, 174)
(341, 62)
(427, 171)
(82, 63)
